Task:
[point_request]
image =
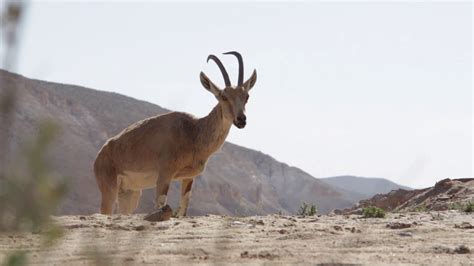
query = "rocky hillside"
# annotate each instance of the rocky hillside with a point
(359, 188)
(444, 195)
(237, 180)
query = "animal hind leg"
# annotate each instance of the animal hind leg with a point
(108, 188)
(186, 186)
(106, 178)
(128, 200)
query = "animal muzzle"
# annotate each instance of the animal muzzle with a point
(241, 121)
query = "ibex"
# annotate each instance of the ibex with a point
(173, 146)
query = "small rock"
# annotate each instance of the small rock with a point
(162, 214)
(337, 228)
(443, 198)
(405, 234)
(464, 225)
(282, 231)
(237, 223)
(267, 255)
(82, 218)
(398, 225)
(442, 249)
(244, 254)
(140, 228)
(260, 222)
(462, 249)
(163, 227)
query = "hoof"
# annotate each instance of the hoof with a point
(162, 214)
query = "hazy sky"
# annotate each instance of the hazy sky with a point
(379, 90)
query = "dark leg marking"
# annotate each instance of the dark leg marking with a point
(188, 187)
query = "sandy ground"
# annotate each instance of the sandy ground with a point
(429, 238)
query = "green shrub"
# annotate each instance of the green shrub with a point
(421, 208)
(307, 210)
(456, 206)
(469, 207)
(373, 212)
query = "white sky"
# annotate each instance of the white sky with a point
(369, 89)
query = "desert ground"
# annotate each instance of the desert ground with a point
(443, 238)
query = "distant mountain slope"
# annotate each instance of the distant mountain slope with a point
(359, 188)
(237, 180)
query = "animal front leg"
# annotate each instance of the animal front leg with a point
(163, 211)
(186, 186)
(128, 200)
(162, 187)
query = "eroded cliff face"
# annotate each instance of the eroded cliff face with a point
(444, 195)
(237, 180)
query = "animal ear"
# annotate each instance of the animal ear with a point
(208, 85)
(251, 81)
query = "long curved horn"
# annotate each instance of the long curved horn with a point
(222, 68)
(241, 66)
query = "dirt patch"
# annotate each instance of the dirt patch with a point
(442, 237)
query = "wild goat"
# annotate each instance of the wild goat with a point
(172, 146)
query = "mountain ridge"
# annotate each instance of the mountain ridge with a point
(237, 180)
(359, 188)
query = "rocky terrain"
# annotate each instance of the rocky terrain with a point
(444, 195)
(440, 233)
(429, 238)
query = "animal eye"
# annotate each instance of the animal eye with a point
(247, 98)
(224, 98)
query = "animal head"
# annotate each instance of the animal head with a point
(232, 98)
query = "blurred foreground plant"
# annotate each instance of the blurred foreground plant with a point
(29, 192)
(29, 195)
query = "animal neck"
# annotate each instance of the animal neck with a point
(213, 130)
